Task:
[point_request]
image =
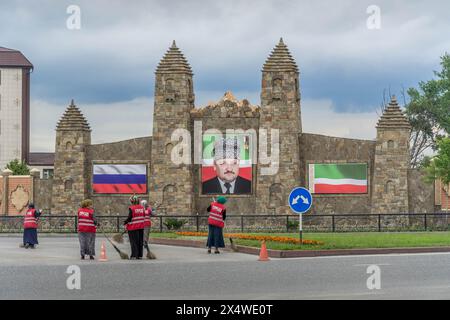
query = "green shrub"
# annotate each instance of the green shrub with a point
(292, 225)
(174, 224)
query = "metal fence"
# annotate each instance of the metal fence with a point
(251, 223)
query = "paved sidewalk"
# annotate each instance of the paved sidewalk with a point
(64, 250)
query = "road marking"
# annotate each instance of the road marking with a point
(370, 264)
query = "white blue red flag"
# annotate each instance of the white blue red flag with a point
(120, 178)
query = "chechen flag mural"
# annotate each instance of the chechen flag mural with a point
(338, 178)
(120, 178)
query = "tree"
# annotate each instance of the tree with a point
(439, 166)
(18, 168)
(428, 111)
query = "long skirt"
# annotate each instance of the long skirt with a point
(87, 243)
(136, 242)
(146, 234)
(215, 237)
(30, 236)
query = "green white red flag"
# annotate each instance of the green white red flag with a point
(338, 178)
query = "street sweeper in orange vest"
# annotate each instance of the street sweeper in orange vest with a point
(87, 228)
(30, 226)
(217, 216)
(135, 224)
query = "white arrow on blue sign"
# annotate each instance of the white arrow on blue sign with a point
(300, 200)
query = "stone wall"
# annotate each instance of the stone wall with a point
(420, 193)
(171, 184)
(133, 151)
(2, 210)
(43, 194)
(70, 182)
(392, 161)
(316, 148)
(391, 186)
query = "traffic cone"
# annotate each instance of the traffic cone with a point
(263, 255)
(103, 253)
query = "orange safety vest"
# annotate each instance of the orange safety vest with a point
(147, 214)
(30, 221)
(216, 215)
(86, 220)
(137, 220)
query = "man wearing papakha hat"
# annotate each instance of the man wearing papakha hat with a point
(226, 165)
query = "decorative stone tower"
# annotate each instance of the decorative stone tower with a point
(171, 183)
(280, 110)
(70, 180)
(390, 181)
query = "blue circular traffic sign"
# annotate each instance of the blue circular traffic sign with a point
(300, 200)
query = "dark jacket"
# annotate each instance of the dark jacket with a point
(212, 186)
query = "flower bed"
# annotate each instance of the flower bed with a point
(254, 237)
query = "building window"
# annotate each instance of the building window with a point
(47, 173)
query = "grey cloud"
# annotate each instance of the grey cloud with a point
(113, 57)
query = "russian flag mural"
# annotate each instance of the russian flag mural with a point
(120, 178)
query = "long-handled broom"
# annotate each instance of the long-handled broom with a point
(233, 246)
(150, 255)
(122, 254)
(118, 237)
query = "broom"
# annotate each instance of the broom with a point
(118, 237)
(233, 246)
(122, 254)
(150, 255)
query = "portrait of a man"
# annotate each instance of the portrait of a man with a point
(226, 167)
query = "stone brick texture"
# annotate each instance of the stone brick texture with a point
(393, 187)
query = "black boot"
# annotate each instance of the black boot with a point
(91, 257)
(82, 257)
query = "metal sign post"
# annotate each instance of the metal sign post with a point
(300, 201)
(300, 227)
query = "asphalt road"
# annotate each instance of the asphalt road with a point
(190, 273)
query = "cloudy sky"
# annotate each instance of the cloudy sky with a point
(108, 65)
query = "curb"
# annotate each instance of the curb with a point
(303, 253)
